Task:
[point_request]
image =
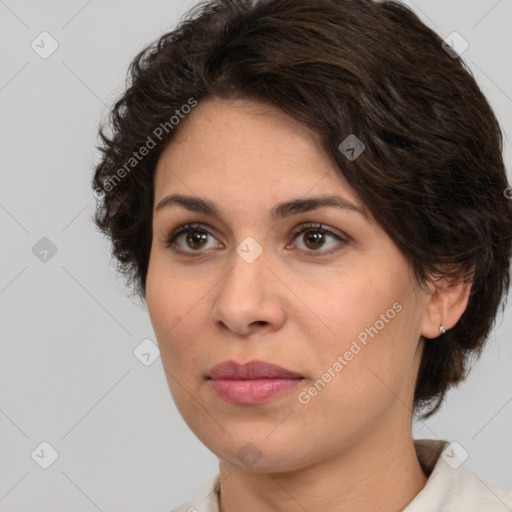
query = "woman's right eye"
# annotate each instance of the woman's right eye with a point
(189, 238)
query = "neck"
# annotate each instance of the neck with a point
(382, 473)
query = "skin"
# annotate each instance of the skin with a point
(350, 448)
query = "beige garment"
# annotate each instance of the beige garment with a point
(450, 486)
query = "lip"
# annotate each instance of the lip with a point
(252, 383)
(251, 370)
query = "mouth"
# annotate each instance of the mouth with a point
(253, 383)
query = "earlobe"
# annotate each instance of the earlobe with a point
(445, 304)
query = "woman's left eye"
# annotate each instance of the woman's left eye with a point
(314, 238)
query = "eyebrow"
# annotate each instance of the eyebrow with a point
(279, 211)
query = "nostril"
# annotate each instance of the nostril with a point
(260, 322)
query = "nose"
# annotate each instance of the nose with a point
(248, 298)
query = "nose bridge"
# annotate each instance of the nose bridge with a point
(246, 295)
(247, 275)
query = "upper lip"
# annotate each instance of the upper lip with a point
(251, 370)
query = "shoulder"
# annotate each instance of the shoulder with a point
(205, 501)
(453, 487)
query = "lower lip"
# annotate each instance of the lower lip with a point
(252, 392)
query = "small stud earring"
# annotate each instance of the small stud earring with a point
(442, 330)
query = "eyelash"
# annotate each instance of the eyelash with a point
(186, 228)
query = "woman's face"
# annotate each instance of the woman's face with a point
(337, 305)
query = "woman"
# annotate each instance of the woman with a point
(310, 197)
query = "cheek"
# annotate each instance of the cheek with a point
(166, 299)
(345, 307)
(176, 312)
(373, 324)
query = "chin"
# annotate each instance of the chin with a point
(257, 454)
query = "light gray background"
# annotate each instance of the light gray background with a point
(68, 374)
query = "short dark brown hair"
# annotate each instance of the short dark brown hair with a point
(432, 173)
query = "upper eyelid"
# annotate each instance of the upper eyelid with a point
(303, 225)
(320, 227)
(190, 226)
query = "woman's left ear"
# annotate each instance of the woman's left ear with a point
(447, 300)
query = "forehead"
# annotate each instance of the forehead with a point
(247, 149)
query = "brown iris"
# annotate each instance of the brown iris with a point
(317, 239)
(196, 237)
